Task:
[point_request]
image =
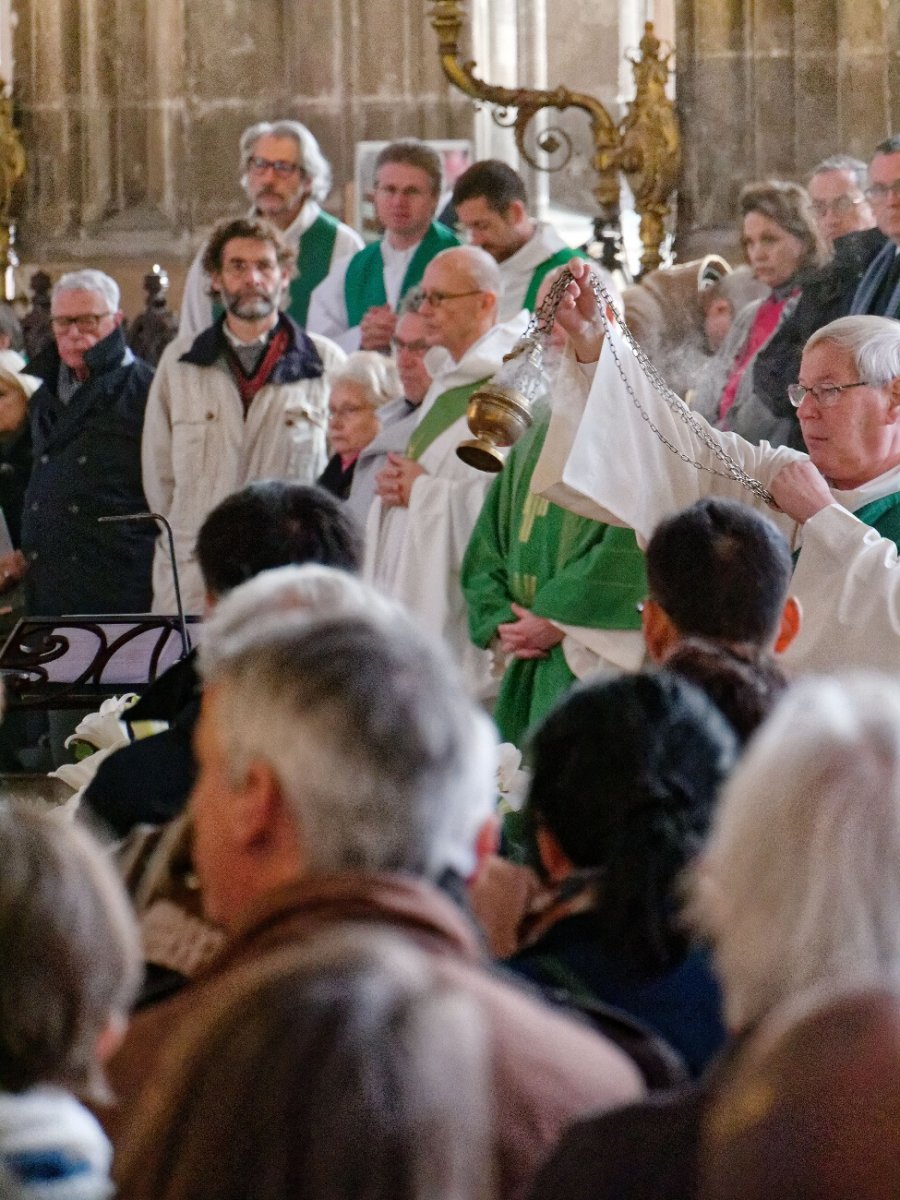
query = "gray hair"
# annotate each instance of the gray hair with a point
(381, 757)
(874, 343)
(312, 161)
(480, 267)
(843, 162)
(89, 280)
(313, 591)
(373, 372)
(800, 880)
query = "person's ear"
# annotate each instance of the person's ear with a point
(660, 634)
(119, 317)
(487, 844)
(894, 397)
(789, 627)
(516, 213)
(258, 809)
(556, 863)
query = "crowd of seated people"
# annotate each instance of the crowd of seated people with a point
(696, 899)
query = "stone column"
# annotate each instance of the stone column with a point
(771, 88)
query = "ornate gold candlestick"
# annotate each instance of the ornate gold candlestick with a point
(645, 147)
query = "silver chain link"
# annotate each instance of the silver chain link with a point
(541, 324)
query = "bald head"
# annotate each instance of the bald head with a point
(461, 289)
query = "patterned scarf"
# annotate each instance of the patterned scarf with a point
(249, 385)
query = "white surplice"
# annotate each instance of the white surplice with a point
(602, 460)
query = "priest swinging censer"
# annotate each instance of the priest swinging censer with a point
(502, 409)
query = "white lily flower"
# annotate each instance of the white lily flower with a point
(512, 783)
(104, 729)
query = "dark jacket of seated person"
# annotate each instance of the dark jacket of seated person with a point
(626, 773)
(270, 523)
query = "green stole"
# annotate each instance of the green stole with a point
(559, 259)
(313, 264)
(446, 410)
(883, 515)
(364, 282)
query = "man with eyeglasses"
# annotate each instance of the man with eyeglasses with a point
(86, 423)
(838, 506)
(428, 499)
(879, 288)
(846, 219)
(247, 399)
(397, 418)
(356, 305)
(286, 178)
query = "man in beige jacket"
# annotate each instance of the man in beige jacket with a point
(247, 399)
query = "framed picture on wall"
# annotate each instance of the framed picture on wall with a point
(456, 156)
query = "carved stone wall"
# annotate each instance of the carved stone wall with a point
(769, 88)
(131, 109)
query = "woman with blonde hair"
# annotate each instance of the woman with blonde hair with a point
(782, 245)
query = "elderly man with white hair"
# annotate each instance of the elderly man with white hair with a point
(286, 178)
(86, 425)
(838, 505)
(428, 499)
(346, 779)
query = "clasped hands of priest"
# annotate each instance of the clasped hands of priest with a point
(799, 489)
(394, 482)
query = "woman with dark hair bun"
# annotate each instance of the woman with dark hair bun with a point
(626, 773)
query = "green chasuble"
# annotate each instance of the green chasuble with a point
(313, 264)
(559, 259)
(552, 562)
(364, 281)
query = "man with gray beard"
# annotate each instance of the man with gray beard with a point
(247, 399)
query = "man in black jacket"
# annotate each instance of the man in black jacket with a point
(86, 425)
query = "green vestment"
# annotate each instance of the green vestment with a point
(559, 259)
(556, 564)
(364, 281)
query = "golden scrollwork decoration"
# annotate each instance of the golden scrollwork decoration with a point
(645, 146)
(12, 169)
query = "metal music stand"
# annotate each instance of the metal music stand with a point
(76, 662)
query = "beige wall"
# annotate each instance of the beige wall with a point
(131, 109)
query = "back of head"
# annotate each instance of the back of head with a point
(494, 181)
(812, 1110)
(393, 1102)
(625, 774)
(744, 687)
(720, 571)
(69, 948)
(800, 879)
(383, 761)
(273, 523)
